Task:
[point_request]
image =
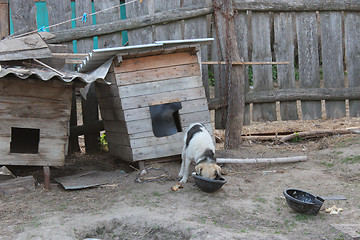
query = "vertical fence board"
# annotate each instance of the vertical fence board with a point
(332, 60)
(142, 35)
(169, 31)
(60, 11)
(219, 75)
(262, 74)
(4, 20)
(306, 28)
(284, 51)
(352, 56)
(242, 32)
(198, 28)
(84, 6)
(23, 15)
(113, 39)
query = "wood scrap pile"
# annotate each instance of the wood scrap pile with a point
(286, 136)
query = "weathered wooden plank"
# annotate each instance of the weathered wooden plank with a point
(198, 28)
(306, 27)
(120, 138)
(121, 152)
(183, 95)
(113, 39)
(242, 35)
(156, 151)
(262, 75)
(332, 60)
(27, 47)
(110, 102)
(115, 126)
(4, 20)
(296, 5)
(170, 30)
(284, 51)
(84, 45)
(33, 88)
(130, 24)
(352, 56)
(208, 126)
(48, 129)
(17, 185)
(187, 107)
(51, 153)
(185, 119)
(23, 15)
(143, 35)
(11, 107)
(311, 94)
(59, 11)
(157, 61)
(160, 86)
(158, 74)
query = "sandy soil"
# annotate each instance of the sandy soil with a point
(250, 205)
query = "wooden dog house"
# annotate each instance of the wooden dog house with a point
(35, 113)
(155, 93)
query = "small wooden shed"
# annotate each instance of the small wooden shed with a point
(35, 112)
(155, 93)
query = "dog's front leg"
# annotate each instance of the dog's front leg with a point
(185, 170)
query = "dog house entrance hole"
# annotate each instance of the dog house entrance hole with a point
(24, 140)
(165, 119)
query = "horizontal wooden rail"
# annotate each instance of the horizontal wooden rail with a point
(246, 63)
(69, 55)
(128, 24)
(283, 95)
(296, 5)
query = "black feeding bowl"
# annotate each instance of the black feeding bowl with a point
(302, 201)
(208, 185)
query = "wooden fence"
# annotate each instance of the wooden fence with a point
(319, 39)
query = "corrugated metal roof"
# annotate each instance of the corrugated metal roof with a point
(99, 56)
(47, 74)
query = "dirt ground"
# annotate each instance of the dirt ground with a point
(251, 205)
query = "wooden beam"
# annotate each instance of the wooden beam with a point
(284, 95)
(320, 133)
(296, 5)
(246, 63)
(129, 24)
(309, 94)
(70, 55)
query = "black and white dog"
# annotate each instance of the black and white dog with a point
(199, 148)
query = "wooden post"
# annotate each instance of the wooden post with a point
(90, 113)
(4, 19)
(73, 138)
(224, 14)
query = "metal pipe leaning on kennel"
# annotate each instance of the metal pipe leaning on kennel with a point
(263, 160)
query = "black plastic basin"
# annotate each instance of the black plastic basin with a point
(302, 201)
(208, 185)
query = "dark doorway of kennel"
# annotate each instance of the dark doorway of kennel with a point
(165, 118)
(24, 140)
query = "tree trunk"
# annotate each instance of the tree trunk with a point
(236, 83)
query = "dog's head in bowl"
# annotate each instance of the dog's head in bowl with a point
(208, 185)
